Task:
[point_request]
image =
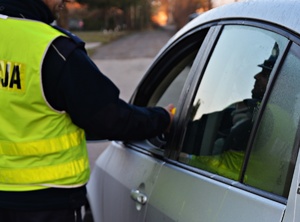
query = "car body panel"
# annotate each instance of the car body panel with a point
(122, 171)
(195, 198)
(292, 213)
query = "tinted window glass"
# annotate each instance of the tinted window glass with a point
(170, 88)
(228, 99)
(164, 82)
(270, 163)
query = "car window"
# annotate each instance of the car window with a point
(164, 82)
(174, 72)
(272, 158)
(169, 89)
(228, 99)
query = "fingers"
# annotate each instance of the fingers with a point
(171, 110)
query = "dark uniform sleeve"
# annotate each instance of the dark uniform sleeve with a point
(73, 83)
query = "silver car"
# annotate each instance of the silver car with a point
(232, 154)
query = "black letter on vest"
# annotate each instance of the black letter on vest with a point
(6, 77)
(15, 77)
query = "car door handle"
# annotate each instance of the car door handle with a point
(138, 197)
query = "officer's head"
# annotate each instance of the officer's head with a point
(55, 6)
(260, 85)
(262, 78)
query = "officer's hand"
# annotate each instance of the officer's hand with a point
(171, 110)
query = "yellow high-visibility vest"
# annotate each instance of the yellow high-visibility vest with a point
(39, 147)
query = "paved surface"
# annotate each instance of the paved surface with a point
(125, 61)
(144, 44)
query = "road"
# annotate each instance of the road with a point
(125, 61)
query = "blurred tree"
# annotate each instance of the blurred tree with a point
(135, 13)
(183, 8)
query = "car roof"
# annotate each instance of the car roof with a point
(284, 13)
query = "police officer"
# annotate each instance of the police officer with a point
(244, 118)
(53, 97)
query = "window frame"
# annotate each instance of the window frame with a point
(178, 135)
(157, 72)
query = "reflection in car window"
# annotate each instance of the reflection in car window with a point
(269, 166)
(228, 99)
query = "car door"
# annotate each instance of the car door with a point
(234, 144)
(124, 175)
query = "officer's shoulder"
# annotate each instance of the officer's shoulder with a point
(66, 44)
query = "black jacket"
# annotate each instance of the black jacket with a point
(75, 84)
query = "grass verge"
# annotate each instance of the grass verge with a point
(101, 37)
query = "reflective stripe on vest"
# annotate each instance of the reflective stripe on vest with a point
(39, 146)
